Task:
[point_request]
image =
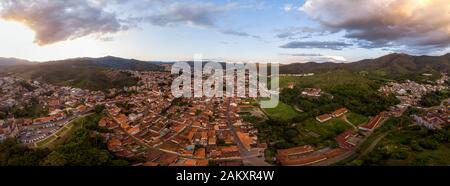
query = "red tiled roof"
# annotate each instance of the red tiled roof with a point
(295, 150)
(373, 123)
(340, 111)
(324, 117)
(342, 139)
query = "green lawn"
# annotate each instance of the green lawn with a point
(313, 132)
(327, 129)
(282, 112)
(356, 119)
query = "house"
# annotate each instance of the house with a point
(372, 124)
(200, 153)
(103, 122)
(347, 140)
(430, 122)
(302, 155)
(295, 151)
(150, 164)
(134, 130)
(230, 151)
(291, 85)
(114, 145)
(323, 118)
(339, 112)
(44, 120)
(312, 92)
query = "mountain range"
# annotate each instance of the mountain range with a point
(107, 62)
(92, 72)
(12, 61)
(392, 66)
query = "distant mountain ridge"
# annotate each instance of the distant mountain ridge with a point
(12, 61)
(107, 62)
(88, 73)
(112, 62)
(393, 65)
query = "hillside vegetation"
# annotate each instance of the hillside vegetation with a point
(87, 73)
(393, 67)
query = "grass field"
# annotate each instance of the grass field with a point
(356, 119)
(327, 129)
(313, 132)
(282, 112)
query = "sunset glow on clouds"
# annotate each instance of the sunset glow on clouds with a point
(420, 23)
(244, 30)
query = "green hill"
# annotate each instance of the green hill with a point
(392, 66)
(80, 76)
(87, 73)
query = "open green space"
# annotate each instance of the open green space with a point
(356, 119)
(282, 112)
(405, 144)
(411, 146)
(313, 132)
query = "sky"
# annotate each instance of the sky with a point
(283, 31)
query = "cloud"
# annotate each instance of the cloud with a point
(234, 32)
(422, 24)
(193, 14)
(318, 58)
(293, 33)
(333, 45)
(237, 33)
(55, 21)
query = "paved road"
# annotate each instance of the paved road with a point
(249, 157)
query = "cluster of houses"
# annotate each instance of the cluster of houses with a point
(60, 102)
(175, 131)
(435, 118)
(409, 93)
(149, 122)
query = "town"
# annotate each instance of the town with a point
(146, 122)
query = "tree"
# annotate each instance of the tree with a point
(55, 159)
(99, 108)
